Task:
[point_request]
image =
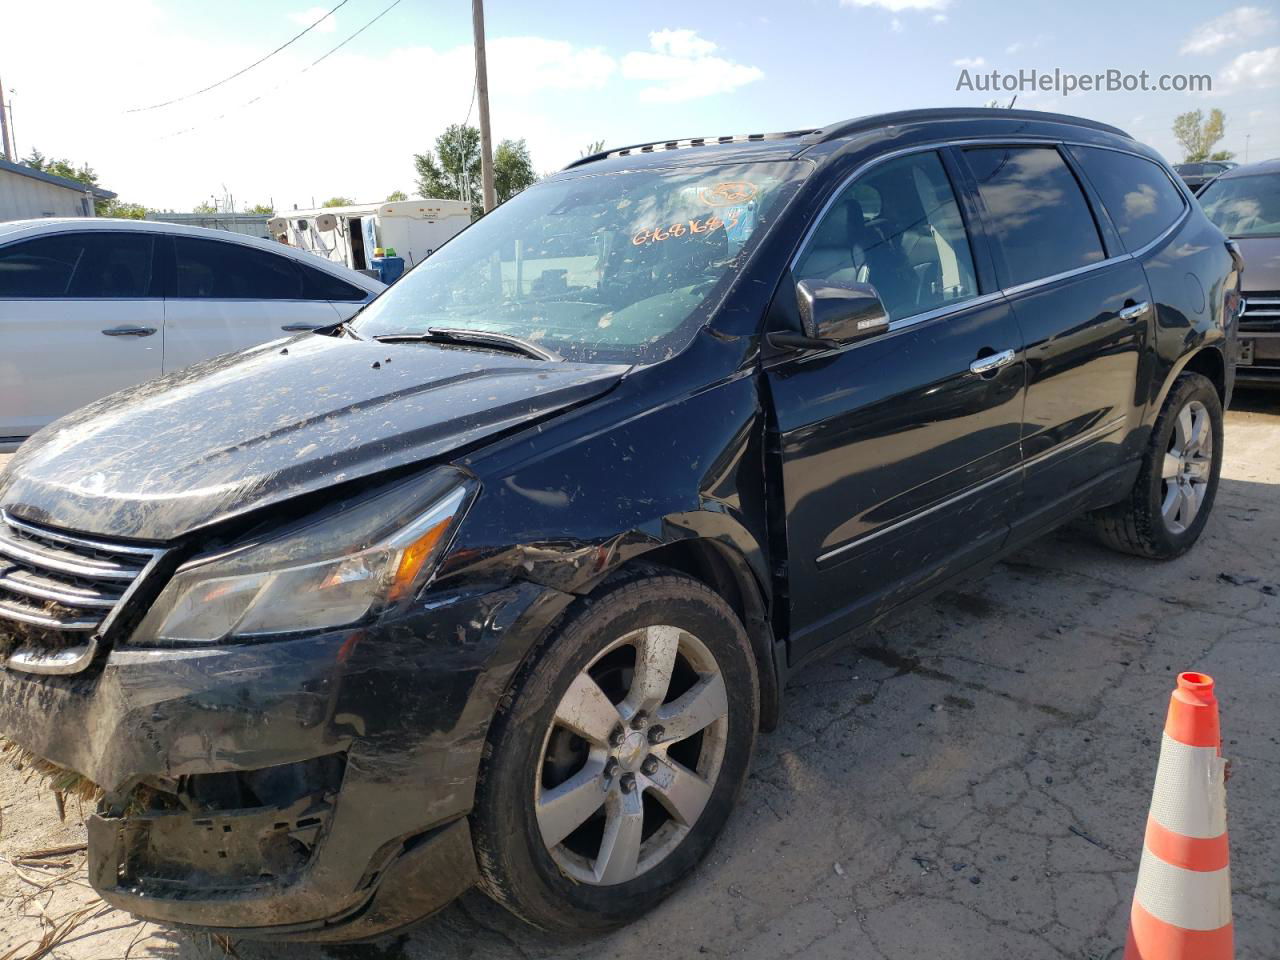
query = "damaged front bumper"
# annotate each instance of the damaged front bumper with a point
(312, 788)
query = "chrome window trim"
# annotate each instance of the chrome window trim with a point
(895, 327)
(1064, 275)
(1094, 434)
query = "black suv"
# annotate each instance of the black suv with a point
(497, 583)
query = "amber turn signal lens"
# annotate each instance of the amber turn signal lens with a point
(414, 557)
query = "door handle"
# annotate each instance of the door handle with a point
(984, 365)
(1134, 311)
(129, 331)
(300, 327)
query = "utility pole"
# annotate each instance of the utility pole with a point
(1246, 147)
(4, 127)
(482, 94)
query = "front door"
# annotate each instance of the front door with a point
(899, 454)
(80, 317)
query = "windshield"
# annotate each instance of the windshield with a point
(1244, 206)
(614, 267)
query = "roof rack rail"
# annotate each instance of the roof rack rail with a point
(845, 128)
(686, 142)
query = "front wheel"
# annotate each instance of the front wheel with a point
(1175, 490)
(617, 756)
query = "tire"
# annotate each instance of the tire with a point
(1139, 524)
(532, 757)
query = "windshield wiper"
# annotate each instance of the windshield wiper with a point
(482, 338)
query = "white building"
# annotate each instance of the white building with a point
(26, 193)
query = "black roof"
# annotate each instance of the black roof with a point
(794, 143)
(1251, 170)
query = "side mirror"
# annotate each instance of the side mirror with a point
(832, 314)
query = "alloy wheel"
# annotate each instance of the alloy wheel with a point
(1187, 466)
(631, 756)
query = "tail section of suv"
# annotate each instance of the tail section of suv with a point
(497, 583)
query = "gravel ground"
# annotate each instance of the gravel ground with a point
(970, 781)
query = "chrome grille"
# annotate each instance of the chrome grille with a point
(59, 593)
(1261, 311)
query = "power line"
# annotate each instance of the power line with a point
(313, 63)
(156, 106)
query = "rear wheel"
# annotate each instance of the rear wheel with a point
(618, 755)
(1176, 487)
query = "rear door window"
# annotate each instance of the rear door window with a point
(221, 270)
(319, 285)
(1139, 196)
(1035, 210)
(97, 265)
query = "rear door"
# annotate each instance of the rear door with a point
(227, 296)
(81, 316)
(1085, 310)
(899, 459)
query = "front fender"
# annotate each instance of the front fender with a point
(619, 487)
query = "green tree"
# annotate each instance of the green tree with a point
(261, 208)
(1198, 135)
(512, 169)
(592, 148)
(62, 168)
(120, 209)
(338, 202)
(396, 195)
(204, 206)
(82, 174)
(452, 171)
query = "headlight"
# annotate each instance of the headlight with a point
(353, 559)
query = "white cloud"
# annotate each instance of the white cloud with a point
(895, 25)
(309, 16)
(969, 62)
(1018, 46)
(939, 18)
(897, 6)
(681, 43)
(1256, 68)
(541, 64)
(1233, 28)
(680, 66)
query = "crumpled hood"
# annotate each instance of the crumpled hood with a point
(1261, 263)
(262, 426)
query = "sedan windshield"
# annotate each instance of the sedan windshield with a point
(1244, 206)
(612, 267)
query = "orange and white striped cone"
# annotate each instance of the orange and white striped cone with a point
(1182, 904)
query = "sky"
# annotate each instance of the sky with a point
(564, 74)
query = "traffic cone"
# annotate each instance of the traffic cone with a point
(1182, 904)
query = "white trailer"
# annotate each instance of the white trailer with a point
(350, 235)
